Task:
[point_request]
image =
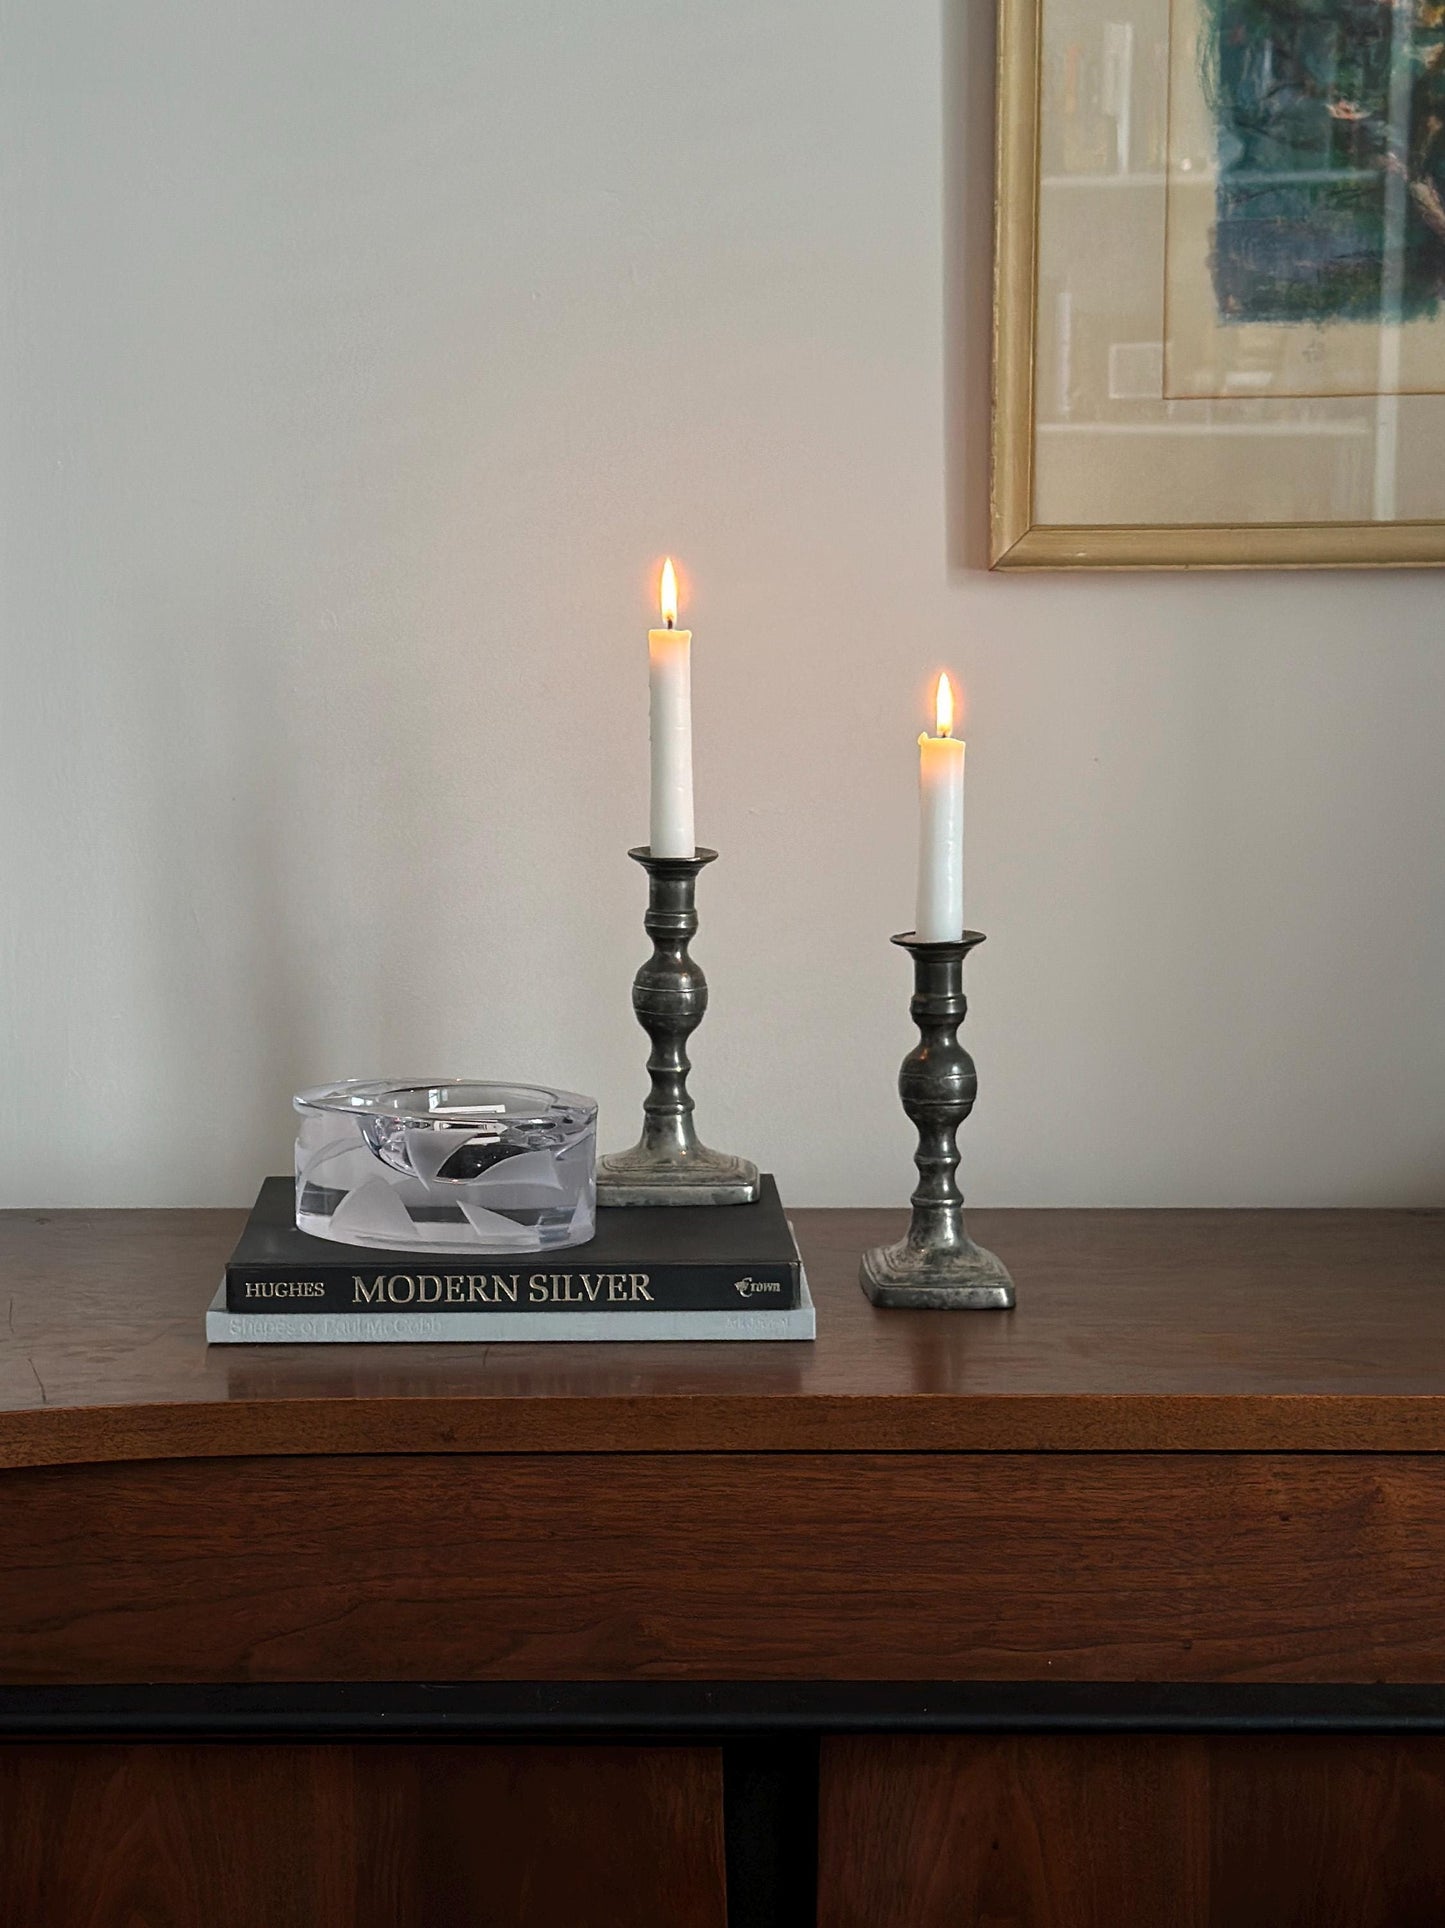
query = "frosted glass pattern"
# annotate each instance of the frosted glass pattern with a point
(447, 1166)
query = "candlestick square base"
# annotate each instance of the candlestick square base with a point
(903, 1275)
(705, 1177)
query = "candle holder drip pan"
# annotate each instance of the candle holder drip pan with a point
(446, 1165)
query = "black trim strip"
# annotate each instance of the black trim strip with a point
(770, 1830)
(685, 1709)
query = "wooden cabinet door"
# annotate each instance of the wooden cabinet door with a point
(382, 1835)
(1133, 1831)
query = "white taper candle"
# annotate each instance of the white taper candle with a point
(669, 656)
(939, 917)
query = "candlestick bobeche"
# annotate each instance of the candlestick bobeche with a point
(937, 1265)
(669, 1165)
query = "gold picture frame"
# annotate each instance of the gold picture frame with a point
(1018, 539)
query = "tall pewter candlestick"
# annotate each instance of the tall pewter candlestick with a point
(668, 1165)
(937, 1265)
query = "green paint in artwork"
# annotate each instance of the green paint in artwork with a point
(1330, 120)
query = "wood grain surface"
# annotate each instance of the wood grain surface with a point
(1238, 1831)
(164, 1836)
(1125, 1567)
(1138, 1331)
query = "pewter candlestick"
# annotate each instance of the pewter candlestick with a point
(668, 1165)
(937, 1265)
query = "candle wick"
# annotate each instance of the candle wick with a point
(671, 623)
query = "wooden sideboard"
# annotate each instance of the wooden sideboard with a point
(1122, 1610)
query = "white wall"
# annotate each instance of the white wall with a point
(359, 362)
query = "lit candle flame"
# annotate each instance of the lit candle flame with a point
(669, 594)
(943, 706)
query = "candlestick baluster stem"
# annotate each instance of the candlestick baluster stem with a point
(669, 1165)
(937, 1265)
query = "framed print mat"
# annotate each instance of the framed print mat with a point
(1219, 301)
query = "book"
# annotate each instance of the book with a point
(641, 1262)
(225, 1328)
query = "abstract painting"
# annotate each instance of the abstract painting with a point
(1330, 121)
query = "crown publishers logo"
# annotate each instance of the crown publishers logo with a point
(754, 1288)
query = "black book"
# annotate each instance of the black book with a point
(702, 1258)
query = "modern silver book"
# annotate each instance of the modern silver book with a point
(225, 1328)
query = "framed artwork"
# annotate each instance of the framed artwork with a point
(1219, 295)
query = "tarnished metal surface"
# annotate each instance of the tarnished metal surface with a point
(669, 1165)
(937, 1266)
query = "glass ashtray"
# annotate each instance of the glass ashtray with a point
(446, 1165)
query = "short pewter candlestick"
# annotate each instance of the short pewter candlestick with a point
(938, 1265)
(668, 1165)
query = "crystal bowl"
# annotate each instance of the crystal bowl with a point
(446, 1164)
